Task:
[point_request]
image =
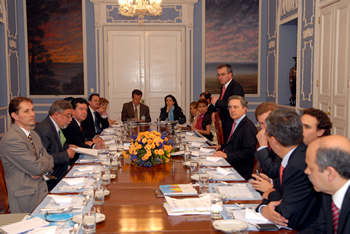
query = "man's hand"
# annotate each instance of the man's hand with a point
(72, 146)
(270, 213)
(219, 154)
(260, 183)
(89, 143)
(71, 153)
(214, 100)
(262, 138)
(36, 176)
(216, 147)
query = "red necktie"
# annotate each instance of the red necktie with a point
(223, 92)
(335, 214)
(281, 173)
(81, 129)
(233, 128)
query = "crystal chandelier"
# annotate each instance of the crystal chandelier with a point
(140, 8)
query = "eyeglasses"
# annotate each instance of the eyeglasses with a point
(222, 74)
(67, 116)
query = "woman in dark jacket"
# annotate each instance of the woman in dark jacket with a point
(171, 110)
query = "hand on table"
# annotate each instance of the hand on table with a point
(216, 147)
(261, 182)
(219, 154)
(270, 213)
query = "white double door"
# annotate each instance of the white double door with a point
(146, 60)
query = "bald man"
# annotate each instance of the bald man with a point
(328, 167)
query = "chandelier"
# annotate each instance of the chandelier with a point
(140, 8)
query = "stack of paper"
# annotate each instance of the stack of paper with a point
(175, 207)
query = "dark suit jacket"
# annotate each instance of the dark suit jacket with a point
(74, 135)
(233, 89)
(128, 111)
(88, 124)
(241, 147)
(300, 203)
(52, 143)
(269, 162)
(324, 223)
(212, 108)
(178, 115)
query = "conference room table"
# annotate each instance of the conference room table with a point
(132, 206)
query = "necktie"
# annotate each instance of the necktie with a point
(136, 116)
(31, 141)
(281, 173)
(232, 129)
(335, 214)
(62, 137)
(223, 92)
(81, 129)
(97, 124)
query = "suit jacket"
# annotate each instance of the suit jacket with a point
(269, 162)
(52, 143)
(128, 111)
(178, 115)
(241, 146)
(233, 88)
(212, 108)
(74, 135)
(88, 124)
(19, 162)
(300, 203)
(324, 223)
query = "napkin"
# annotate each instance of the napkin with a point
(180, 152)
(44, 230)
(106, 138)
(109, 142)
(86, 168)
(25, 225)
(251, 215)
(223, 171)
(196, 144)
(189, 133)
(74, 181)
(61, 200)
(195, 153)
(109, 130)
(213, 159)
(206, 150)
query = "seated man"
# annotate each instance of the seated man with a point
(328, 166)
(94, 122)
(240, 147)
(24, 158)
(74, 133)
(52, 137)
(135, 109)
(292, 201)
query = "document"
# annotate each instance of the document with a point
(235, 191)
(186, 204)
(92, 152)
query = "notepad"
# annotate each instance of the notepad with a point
(178, 190)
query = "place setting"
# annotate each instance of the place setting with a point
(73, 185)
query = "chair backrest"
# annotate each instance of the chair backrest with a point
(256, 162)
(3, 187)
(218, 127)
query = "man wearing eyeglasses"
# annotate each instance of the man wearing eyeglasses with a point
(54, 141)
(229, 87)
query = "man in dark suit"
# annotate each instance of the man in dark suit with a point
(52, 137)
(135, 109)
(94, 122)
(229, 87)
(328, 167)
(239, 149)
(24, 158)
(74, 132)
(292, 201)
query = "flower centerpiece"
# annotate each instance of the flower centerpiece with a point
(149, 147)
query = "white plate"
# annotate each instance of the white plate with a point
(196, 177)
(89, 192)
(229, 225)
(188, 164)
(78, 218)
(216, 195)
(113, 176)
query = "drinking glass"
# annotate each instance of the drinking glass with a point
(216, 208)
(194, 168)
(89, 222)
(187, 156)
(106, 175)
(114, 162)
(99, 196)
(203, 183)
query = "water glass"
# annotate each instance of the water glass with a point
(106, 175)
(99, 196)
(216, 208)
(203, 183)
(194, 168)
(143, 118)
(187, 156)
(114, 162)
(89, 222)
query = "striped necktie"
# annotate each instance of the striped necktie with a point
(335, 215)
(31, 141)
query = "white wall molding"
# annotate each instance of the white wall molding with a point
(312, 17)
(268, 25)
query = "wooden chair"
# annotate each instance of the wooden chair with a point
(256, 162)
(4, 188)
(218, 128)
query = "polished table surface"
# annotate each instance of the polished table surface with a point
(133, 207)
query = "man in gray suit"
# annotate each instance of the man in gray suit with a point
(135, 109)
(54, 141)
(24, 158)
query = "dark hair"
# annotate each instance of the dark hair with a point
(94, 94)
(207, 95)
(323, 121)
(69, 99)
(336, 158)
(244, 102)
(59, 106)
(228, 67)
(79, 100)
(174, 100)
(14, 105)
(136, 92)
(265, 107)
(203, 101)
(285, 125)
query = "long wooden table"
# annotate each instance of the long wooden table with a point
(132, 206)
